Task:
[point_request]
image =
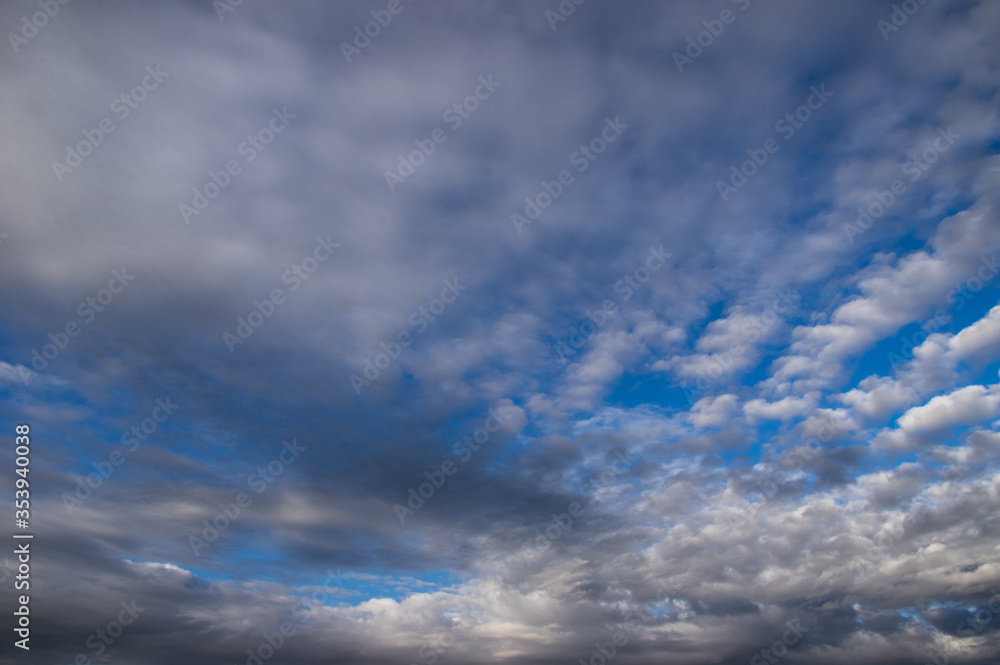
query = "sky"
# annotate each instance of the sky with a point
(563, 331)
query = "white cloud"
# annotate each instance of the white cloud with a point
(714, 411)
(965, 406)
(783, 409)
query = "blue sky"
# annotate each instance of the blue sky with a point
(694, 313)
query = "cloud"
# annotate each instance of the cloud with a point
(724, 451)
(964, 406)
